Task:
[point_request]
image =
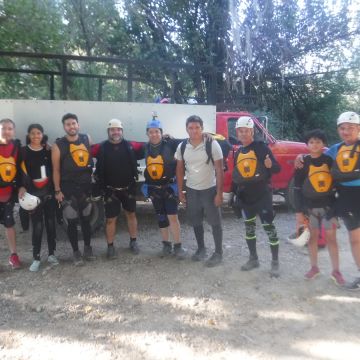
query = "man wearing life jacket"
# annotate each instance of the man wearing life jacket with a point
(346, 174)
(116, 174)
(315, 200)
(9, 156)
(254, 164)
(204, 187)
(160, 186)
(72, 171)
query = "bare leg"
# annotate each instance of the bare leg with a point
(131, 223)
(174, 227)
(11, 238)
(313, 246)
(355, 245)
(110, 229)
(333, 248)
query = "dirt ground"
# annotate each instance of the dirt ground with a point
(144, 307)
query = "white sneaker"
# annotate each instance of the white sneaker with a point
(35, 266)
(52, 260)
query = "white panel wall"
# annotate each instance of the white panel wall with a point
(93, 117)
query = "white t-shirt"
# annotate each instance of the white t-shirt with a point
(199, 174)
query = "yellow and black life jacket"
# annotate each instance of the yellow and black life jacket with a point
(347, 163)
(80, 154)
(318, 182)
(8, 168)
(155, 166)
(247, 168)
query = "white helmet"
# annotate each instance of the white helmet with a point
(29, 202)
(348, 117)
(245, 121)
(192, 101)
(115, 123)
(302, 239)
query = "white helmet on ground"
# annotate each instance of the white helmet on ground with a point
(245, 121)
(29, 202)
(300, 239)
(348, 117)
(115, 123)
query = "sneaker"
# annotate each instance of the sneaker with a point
(35, 266)
(78, 260)
(252, 263)
(179, 252)
(14, 262)
(166, 249)
(199, 255)
(213, 260)
(111, 253)
(355, 285)
(312, 273)
(52, 260)
(134, 247)
(274, 270)
(88, 253)
(338, 278)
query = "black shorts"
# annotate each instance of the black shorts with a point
(7, 214)
(262, 207)
(348, 206)
(115, 199)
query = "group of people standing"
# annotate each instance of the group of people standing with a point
(62, 175)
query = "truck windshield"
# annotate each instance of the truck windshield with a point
(258, 133)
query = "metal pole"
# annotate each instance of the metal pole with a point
(52, 88)
(129, 84)
(100, 88)
(64, 78)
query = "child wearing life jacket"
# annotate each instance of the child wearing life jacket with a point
(253, 167)
(314, 201)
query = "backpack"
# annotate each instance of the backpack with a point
(346, 166)
(318, 183)
(224, 144)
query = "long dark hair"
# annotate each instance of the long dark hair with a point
(38, 127)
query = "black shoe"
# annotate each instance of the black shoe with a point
(166, 249)
(213, 260)
(199, 255)
(252, 263)
(274, 270)
(88, 253)
(179, 252)
(111, 253)
(134, 247)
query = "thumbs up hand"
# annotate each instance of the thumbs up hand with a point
(268, 162)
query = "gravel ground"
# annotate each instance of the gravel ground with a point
(144, 307)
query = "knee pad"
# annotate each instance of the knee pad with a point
(271, 233)
(86, 211)
(163, 221)
(69, 212)
(250, 226)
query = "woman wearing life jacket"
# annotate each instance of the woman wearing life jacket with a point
(254, 164)
(160, 186)
(346, 173)
(315, 200)
(36, 179)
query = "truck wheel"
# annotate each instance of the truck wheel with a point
(290, 197)
(97, 217)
